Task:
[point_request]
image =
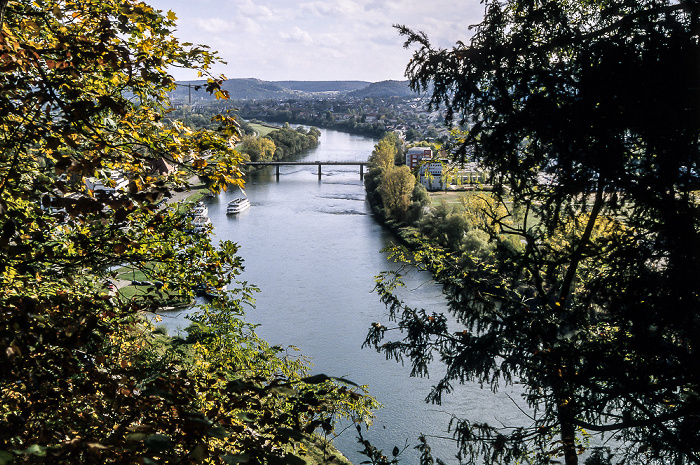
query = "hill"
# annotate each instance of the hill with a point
(323, 86)
(238, 89)
(257, 89)
(384, 89)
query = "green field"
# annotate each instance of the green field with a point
(262, 129)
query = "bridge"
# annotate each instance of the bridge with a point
(277, 165)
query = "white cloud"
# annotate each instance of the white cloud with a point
(339, 8)
(297, 35)
(318, 39)
(254, 10)
(213, 25)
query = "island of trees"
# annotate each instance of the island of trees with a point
(279, 144)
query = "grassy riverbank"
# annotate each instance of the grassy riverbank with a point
(263, 129)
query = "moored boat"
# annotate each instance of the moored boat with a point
(200, 209)
(200, 223)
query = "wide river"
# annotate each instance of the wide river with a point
(313, 249)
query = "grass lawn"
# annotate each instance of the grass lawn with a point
(164, 298)
(449, 197)
(263, 130)
(452, 198)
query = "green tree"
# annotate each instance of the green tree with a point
(588, 113)
(83, 88)
(258, 148)
(384, 154)
(395, 189)
(290, 142)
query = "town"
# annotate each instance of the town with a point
(373, 110)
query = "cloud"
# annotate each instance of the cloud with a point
(213, 25)
(297, 35)
(253, 10)
(319, 39)
(223, 26)
(339, 8)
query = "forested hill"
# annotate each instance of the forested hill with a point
(323, 86)
(250, 89)
(384, 89)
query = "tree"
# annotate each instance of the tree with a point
(83, 90)
(258, 148)
(384, 154)
(395, 189)
(588, 113)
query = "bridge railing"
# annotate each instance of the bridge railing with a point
(277, 165)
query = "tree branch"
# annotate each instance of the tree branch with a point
(3, 5)
(578, 253)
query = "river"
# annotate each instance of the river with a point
(313, 249)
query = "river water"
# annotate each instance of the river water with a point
(313, 249)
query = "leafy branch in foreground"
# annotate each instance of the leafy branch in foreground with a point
(588, 116)
(86, 158)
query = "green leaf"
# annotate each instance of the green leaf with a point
(219, 432)
(236, 458)
(35, 449)
(199, 453)
(246, 416)
(135, 436)
(316, 379)
(6, 457)
(284, 390)
(201, 419)
(159, 443)
(291, 433)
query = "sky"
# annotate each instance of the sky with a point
(316, 40)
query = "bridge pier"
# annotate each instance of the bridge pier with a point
(277, 165)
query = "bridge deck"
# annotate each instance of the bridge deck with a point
(280, 163)
(277, 165)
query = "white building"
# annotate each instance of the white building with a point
(431, 175)
(115, 183)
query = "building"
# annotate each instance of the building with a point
(116, 183)
(416, 154)
(431, 175)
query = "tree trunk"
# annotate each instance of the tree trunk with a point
(568, 432)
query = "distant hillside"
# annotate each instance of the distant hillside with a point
(238, 89)
(384, 89)
(256, 89)
(246, 89)
(323, 86)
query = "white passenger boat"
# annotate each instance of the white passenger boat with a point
(201, 223)
(238, 205)
(200, 209)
